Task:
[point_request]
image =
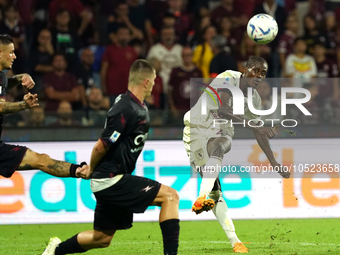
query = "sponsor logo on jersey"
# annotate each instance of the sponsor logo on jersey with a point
(114, 137)
(137, 149)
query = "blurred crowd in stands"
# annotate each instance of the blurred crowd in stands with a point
(79, 53)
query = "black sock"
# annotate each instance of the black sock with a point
(69, 246)
(170, 232)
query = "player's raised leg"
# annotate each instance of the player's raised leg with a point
(216, 148)
(221, 212)
(167, 198)
(33, 160)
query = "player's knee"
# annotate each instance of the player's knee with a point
(220, 147)
(173, 195)
(105, 242)
(170, 195)
(102, 240)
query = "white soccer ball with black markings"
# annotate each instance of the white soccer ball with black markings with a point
(262, 28)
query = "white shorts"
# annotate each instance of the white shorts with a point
(196, 143)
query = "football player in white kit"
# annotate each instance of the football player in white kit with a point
(206, 143)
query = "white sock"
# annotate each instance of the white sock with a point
(210, 172)
(221, 212)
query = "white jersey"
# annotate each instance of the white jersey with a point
(195, 118)
(169, 59)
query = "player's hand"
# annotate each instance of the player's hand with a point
(27, 81)
(83, 172)
(31, 100)
(283, 172)
(268, 131)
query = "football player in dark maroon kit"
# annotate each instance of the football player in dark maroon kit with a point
(13, 157)
(118, 193)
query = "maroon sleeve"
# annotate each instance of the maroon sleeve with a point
(77, 6)
(47, 80)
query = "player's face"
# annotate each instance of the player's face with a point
(150, 84)
(255, 75)
(7, 56)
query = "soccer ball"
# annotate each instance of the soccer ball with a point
(262, 28)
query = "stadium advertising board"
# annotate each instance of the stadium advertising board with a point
(313, 191)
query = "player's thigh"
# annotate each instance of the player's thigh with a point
(31, 160)
(166, 194)
(218, 145)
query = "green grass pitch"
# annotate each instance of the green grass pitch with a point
(305, 236)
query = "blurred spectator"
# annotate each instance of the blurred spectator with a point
(12, 25)
(121, 18)
(227, 9)
(317, 9)
(139, 17)
(168, 52)
(26, 8)
(223, 60)
(197, 36)
(233, 36)
(65, 115)
(180, 92)
(300, 65)
(76, 9)
(59, 84)
(65, 39)
(313, 34)
(157, 98)
(203, 53)
(246, 7)
(326, 68)
(96, 108)
(249, 48)
(286, 41)
(36, 117)
(84, 73)
(302, 9)
(330, 28)
(116, 63)
(183, 19)
(40, 61)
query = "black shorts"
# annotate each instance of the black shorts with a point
(116, 204)
(10, 158)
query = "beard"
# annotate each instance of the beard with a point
(123, 42)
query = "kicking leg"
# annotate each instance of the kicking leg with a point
(216, 148)
(221, 212)
(168, 199)
(44, 162)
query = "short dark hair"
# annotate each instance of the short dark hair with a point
(299, 39)
(140, 70)
(5, 39)
(254, 60)
(59, 53)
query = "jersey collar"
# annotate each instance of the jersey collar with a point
(135, 98)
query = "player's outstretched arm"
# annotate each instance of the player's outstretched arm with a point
(263, 141)
(98, 152)
(29, 101)
(25, 79)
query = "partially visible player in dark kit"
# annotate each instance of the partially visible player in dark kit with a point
(19, 158)
(118, 193)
